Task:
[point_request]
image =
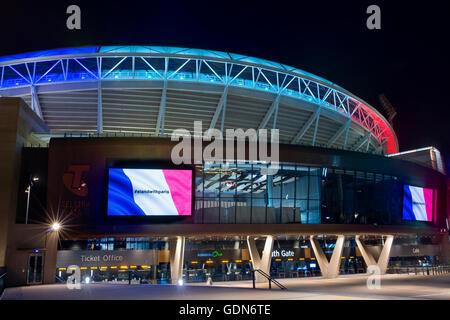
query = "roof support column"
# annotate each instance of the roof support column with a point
(346, 136)
(315, 128)
(369, 259)
(35, 105)
(362, 142)
(162, 106)
(273, 108)
(224, 109)
(306, 126)
(338, 133)
(220, 109)
(99, 108)
(176, 247)
(329, 269)
(260, 263)
(99, 97)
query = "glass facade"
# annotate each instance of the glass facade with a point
(241, 193)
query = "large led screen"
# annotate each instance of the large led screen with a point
(149, 192)
(417, 203)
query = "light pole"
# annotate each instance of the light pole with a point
(28, 191)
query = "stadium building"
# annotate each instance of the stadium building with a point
(88, 184)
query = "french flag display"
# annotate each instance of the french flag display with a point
(149, 192)
(417, 203)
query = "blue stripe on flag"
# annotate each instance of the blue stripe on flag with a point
(120, 195)
(408, 213)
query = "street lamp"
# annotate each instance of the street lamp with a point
(56, 226)
(28, 191)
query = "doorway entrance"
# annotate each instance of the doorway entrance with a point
(35, 263)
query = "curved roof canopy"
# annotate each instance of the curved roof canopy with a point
(148, 73)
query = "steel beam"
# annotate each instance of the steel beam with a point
(359, 145)
(221, 105)
(99, 107)
(273, 107)
(162, 106)
(316, 127)
(346, 136)
(99, 97)
(35, 104)
(338, 133)
(306, 126)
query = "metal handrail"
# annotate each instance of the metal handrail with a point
(2, 283)
(418, 270)
(268, 277)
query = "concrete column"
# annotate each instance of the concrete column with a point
(383, 259)
(17, 120)
(367, 256)
(261, 263)
(320, 255)
(329, 269)
(445, 248)
(176, 258)
(51, 246)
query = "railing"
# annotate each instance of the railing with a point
(426, 271)
(2, 280)
(59, 280)
(269, 278)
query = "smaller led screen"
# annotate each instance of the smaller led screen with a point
(417, 203)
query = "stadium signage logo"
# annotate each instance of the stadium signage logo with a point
(214, 151)
(283, 253)
(73, 180)
(214, 254)
(104, 258)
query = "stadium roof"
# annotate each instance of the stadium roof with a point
(138, 89)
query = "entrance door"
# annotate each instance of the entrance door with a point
(35, 262)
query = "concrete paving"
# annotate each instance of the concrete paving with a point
(342, 288)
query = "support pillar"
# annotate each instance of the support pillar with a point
(329, 269)
(258, 262)
(99, 107)
(51, 246)
(176, 258)
(383, 259)
(445, 249)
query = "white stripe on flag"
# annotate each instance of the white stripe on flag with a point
(151, 203)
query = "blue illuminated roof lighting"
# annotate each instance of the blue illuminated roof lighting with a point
(137, 63)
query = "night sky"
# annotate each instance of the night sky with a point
(407, 60)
